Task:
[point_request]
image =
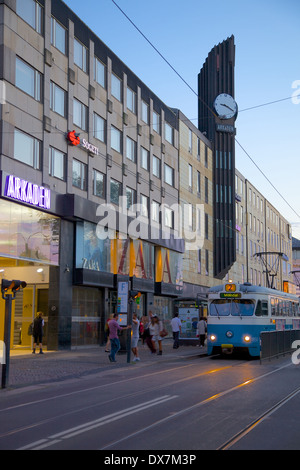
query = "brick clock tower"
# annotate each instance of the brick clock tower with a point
(217, 112)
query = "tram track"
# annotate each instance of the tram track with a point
(237, 437)
(151, 390)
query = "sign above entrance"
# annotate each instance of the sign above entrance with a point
(24, 191)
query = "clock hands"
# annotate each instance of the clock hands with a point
(223, 104)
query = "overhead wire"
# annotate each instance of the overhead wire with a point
(207, 106)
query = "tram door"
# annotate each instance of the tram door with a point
(28, 302)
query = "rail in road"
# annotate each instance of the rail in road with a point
(188, 405)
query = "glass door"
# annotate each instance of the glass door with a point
(28, 302)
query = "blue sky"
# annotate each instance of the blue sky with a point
(267, 38)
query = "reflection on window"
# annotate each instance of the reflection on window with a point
(91, 252)
(27, 149)
(28, 234)
(31, 12)
(235, 307)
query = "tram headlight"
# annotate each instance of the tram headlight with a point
(213, 337)
(247, 338)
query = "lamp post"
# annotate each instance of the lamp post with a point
(14, 286)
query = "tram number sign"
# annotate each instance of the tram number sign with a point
(230, 287)
(230, 295)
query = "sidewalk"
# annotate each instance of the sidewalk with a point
(29, 369)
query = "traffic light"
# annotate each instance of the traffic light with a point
(134, 294)
(14, 285)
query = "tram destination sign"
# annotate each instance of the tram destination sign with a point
(230, 295)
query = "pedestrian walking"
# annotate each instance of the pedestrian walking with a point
(149, 333)
(114, 327)
(38, 331)
(135, 336)
(176, 329)
(201, 331)
(158, 327)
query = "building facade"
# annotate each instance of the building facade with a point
(263, 240)
(87, 150)
(196, 200)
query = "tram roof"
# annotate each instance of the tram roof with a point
(250, 288)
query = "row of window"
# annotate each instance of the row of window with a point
(28, 150)
(29, 80)
(198, 183)
(31, 12)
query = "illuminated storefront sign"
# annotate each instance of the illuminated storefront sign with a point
(24, 191)
(74, 139)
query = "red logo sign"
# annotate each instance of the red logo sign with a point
(73, 138)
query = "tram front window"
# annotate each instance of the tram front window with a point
(235, 307)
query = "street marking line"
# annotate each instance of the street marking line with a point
(55, 438)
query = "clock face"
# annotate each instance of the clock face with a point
(225, 106)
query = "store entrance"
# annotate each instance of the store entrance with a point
(33, 299)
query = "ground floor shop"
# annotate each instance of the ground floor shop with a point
(72, 274)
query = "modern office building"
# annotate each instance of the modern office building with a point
(82, 140)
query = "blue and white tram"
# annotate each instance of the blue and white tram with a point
(237, 313)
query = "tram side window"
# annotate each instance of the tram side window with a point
(261, 309)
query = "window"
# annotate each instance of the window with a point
(31, 12)
(169, 175)
(58, 36)
(79, 175)
(168, 217)
(169, 134)
(28, 79)
(144, 205)
(190, 176)
(99, 127)
(206, 226)
(27, 149)
(98, 184)
(99, 72)
(80, 55)
(131, 100)
(116, 87)
(145, 112)
(57, 99)
(144, 158)
(57, 164)
(115, 191)
(155, 208)
(130, 149)
(156, 166)
(206, 263)
(199, 261)
(115, 136)
(199, 183)
(131, 197)
(79, 114)
(156, 122)
(206, 189)
(190, 141)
